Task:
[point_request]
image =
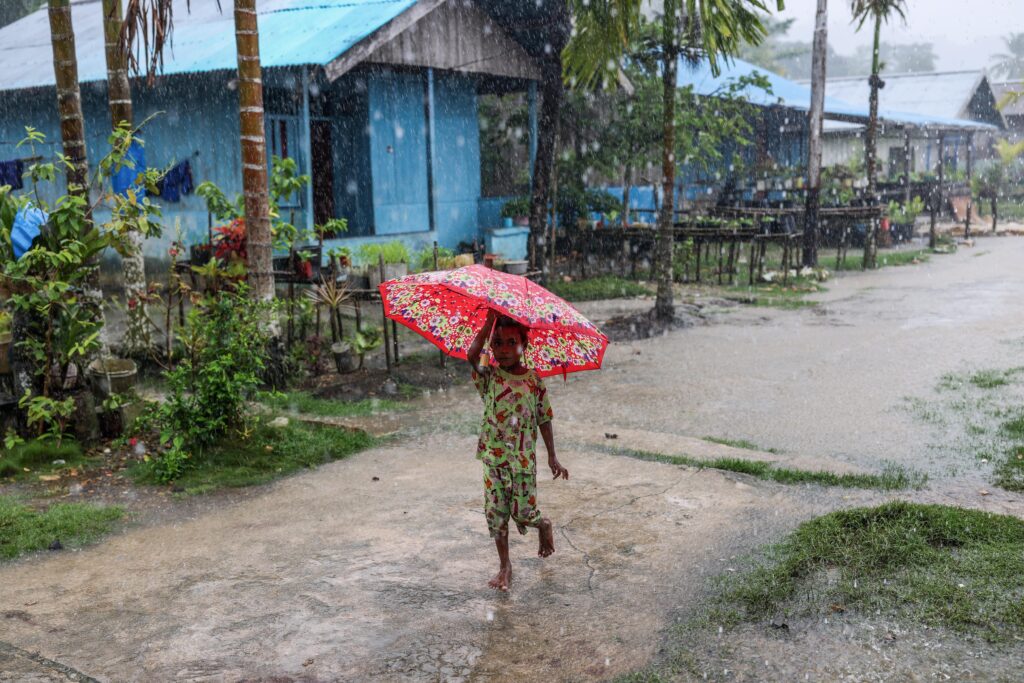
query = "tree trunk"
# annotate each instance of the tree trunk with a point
(69, 99)
(627, 188)
(254, 152)
(119, 94)
(995, 212)
(551, 90)
(815, 118)
(870, 144)
(664, 307)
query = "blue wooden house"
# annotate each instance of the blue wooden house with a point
(375, 99)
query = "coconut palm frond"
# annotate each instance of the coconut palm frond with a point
(862, 10)
(147, 32)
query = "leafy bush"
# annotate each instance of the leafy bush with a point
(906, 213)
(393, 252)
(516, 208)
(424, 259)
(224, 344)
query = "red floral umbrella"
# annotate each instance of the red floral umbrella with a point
(449, 307)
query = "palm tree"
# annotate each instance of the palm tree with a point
(713, 29)
(880, 11)
(69, 98)
(1010, 64)
(153, 18)
(119, 96)
(818, 64)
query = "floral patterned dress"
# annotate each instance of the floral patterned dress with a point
(514, 408)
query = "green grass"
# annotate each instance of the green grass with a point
(739, 443)
(776, 295)
(24, 530)
(892, 478)
(30, 459)
(931, 564)
(270, 453)
(604, 287)
(305, 403)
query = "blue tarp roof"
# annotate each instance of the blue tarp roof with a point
(793, 95)
(292, 32)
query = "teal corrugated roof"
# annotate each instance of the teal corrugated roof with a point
(292, 32)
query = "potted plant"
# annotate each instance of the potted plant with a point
(344, 360)
(366, 340)
(343, 256)
(902, 217)
(111, 376)
(518, 209)
(396, 261)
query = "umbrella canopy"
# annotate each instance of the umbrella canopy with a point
(449, 308)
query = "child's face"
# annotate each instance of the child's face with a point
(507, 346)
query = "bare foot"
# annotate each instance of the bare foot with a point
(547, 538)
(502, 579)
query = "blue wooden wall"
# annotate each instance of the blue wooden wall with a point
(398, 152)
(456, 166)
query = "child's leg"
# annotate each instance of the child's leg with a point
(526, 514)
(497, 492)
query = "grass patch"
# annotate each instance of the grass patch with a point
(604, 287)
(24, 530)
(776, 294)
(934, 564)
(739, 443)
(268, 454)
(893, 478)
(305, 403)
(30, 459)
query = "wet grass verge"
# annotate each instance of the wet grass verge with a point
(24, 530)
(932, 564)
(35, 458)
(303, 402)
(603, 287)
(269, 453)
(892, 478)
(739, 443)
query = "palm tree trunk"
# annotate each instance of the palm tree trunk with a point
(69, 99)
(254, 151)
(119, 94)
(815, 119)
(870, 143)
(551, 88)
(664, 307)
(995, 212)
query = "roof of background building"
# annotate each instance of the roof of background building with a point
(946, 95)
(1012, 107)
(796, 95)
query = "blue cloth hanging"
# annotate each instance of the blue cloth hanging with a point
(125, 177)
(11, 172)
(27, 225)
(177, 182)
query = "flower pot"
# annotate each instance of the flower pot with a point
(112, 376)
(344, 360)
(517, 267)
(507, 222)
(522, 221)
(5, 353)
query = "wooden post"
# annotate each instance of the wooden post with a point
(721, 257)
(970, 194)
(750, 264)
(444, 358)
(815, 119)
(699, 246)
(907, 162)
(387, 337)
(936, 194)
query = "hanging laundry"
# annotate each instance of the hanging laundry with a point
(125, 177)
(11, 172)
(176, 182)
(27, 224)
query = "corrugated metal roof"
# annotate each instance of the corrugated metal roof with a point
(292, 32)
(945, 95)
(785, 92)
(796, 95)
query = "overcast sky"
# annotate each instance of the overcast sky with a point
(965, 34)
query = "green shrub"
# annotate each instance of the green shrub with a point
(393, 252)
(516, 208)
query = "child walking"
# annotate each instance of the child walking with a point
(515, 408)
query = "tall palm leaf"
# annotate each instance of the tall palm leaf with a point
(713, 29)
(878, 11)
(1010, 64)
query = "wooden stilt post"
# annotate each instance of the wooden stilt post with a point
(387, 337)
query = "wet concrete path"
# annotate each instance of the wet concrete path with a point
(332, 575)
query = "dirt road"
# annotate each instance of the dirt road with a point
(336, 575)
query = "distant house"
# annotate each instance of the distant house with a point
(949, 102)
(375, 99)
(1010, 98)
